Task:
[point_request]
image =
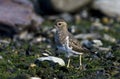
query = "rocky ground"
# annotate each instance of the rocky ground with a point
(27, 47)
(18, 55)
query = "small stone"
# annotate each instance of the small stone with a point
(87, 36)
(104, 48)
(109, 38)
(67, 17)
(45, 54)
(16, 52)
(48, 46)
(72, 29)
(97, 43)
(84, 14)
(97, 25)
(35, 78)
(32, 65)
(36, 40)
(37, 55)
(105, 20)
(25, 35)
(22, 76)
(1, 57)
(109, 55)
(116, 63)
(87, 43)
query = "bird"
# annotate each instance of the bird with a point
(65, 42)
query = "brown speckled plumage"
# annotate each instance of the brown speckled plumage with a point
(66, 42)
(62, 33)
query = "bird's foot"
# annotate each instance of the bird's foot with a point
(80, 67)
(68, 66)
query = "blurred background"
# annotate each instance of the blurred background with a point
(27, 33)
(18, 15)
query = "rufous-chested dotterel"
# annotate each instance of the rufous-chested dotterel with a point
(66, 42)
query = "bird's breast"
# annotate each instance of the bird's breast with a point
(61, 37)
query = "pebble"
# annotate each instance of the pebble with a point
(32, 65)
(35, 78)
(45, 54)
(86, 43)
(97, 43)
(73, 29)
(84, 14)
(5, 41)
(37, 40)
(109, 55)
(67, 17)
(25, 35)
(109, 38)
(1, 57)
(104, 48)
(97, 25)
(88, 36)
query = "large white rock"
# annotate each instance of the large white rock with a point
(108, 7)
(16, 15)
(53, 59)
(69, 5)
(53, 6)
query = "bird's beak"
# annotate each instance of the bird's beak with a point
(56, 27)
(53, 30)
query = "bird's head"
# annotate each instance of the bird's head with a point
(60, 24)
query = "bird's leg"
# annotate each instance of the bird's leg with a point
(80, 61)
(68, 64)
(80, 58)
(68, 48)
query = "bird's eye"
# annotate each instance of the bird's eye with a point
(59, 23)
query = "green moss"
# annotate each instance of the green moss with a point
(16, 62)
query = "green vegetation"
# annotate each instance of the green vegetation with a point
(18, 57)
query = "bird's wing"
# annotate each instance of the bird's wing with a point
(75, 44)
